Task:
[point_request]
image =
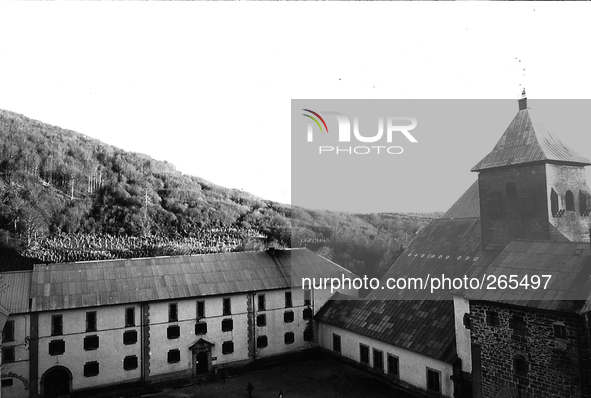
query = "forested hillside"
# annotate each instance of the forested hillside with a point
(67, 197)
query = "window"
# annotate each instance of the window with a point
(583, 203)
(8, 332)
(336, 343)
(307, 313)
(570, 201)
(130, 362)
(173, 332)
(91, 321)
(91, 343)
(130, 337)
(288, 303)
(56, 325)
(467, 321)
(518, 325)
(520, 365)
(289, 338)
(553, 202)
(8, 355)
(262, 341)
(560, 330)
(129, 317)
(173, 356)
(200, 309)
(57, 347)
(364, 354)
(201, 328)
(227, 347)
(511, 190)
(307, 297)
(433, 380)
(288, 316)
(262, 304)
(378, 360)
(173, 312)
(91, 369)
(492, 318)
(227, 310)
(7, 382)
(227, 325)
(393, 366)
(309, 334)
(262, 320)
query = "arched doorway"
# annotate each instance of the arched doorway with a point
(56, 382)
(201, 362)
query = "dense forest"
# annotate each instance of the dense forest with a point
(67, 197)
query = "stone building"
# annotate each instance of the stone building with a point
(88, 325)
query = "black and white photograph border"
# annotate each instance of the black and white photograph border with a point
(150, 243)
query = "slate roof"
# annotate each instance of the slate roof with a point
(569, 264)
(468, 206)
(14, 291)
(86, 284)
(526, 140)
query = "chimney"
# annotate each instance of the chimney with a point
(523, 101)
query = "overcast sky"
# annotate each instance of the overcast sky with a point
(208, 86)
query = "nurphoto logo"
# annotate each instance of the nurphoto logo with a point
(394, 125)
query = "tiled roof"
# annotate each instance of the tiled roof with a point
(14, 291)
(525, 141)
(86, 284)
(568, 263)
(468, 206)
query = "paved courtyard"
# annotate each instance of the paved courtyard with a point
(312, 379)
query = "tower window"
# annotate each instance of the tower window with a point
(554, 202)
(91, 321)
(570, 201)
(8, 332)
(582, 203)
(520, 365)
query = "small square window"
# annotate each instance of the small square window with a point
(227, 347)
(56, 325)
(173, 332)
(8, 333)
(433, 380)
(57, 347)
(227, 325)
(200, 309)
(201, 328)
(262, 303)
(308, 334)
(130, 337)
(364, 354)
(492, 318)
(173, 356)
(91, 369)
(393, 366)
(7, 382)
(378, 360)
(91, 321)
(288, 303)
(129, 317)
(227, 310)
(288, 316)
(173, 312)
(307, 314)
(262, 341)
(517, 323)
(130, 362)
(262, 320)
(91, 343)
(289, 338)
(336, 343)
(8, 355)
(559, 331)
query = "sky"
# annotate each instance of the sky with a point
(208, 86)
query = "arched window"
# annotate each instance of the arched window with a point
(570, 201)
(582, 203)
(520, 365)
(554, 202)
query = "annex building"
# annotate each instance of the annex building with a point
(77, 326)
(527, 214)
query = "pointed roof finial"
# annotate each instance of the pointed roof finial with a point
(523, 94)
(523, 101)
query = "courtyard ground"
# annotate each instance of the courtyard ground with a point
(322, 378)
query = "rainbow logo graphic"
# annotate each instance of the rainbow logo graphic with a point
(313, 118)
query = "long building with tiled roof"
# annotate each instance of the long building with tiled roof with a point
(526, 216)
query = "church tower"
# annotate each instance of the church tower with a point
(532, 186)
